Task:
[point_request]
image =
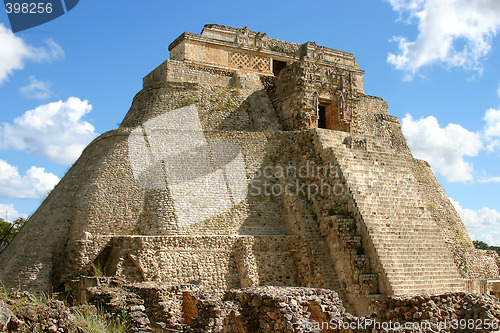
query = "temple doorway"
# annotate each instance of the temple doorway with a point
(329, 117)
(322, 116)
(278, 66)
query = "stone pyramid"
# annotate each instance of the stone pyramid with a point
(251, 161)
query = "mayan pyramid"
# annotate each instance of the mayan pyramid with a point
(251, 161)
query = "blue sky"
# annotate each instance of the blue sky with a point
(437, 63)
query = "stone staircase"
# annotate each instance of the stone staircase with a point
(407, 241)
(344, 228)
(318, 267)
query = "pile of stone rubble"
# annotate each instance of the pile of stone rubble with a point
(22, 312)
(149, 307)
(450, 312)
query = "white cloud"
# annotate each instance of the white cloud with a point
(34, 184)
(9, 213)
(492, 129)
(52, 51)
(492, 118)
(490, 180)
(406, 5)
(444, 148)
(493, 144)
(456, 33)
(483, 224)
(55, 130)
(14, 52)
(491, 237)
(36, 89)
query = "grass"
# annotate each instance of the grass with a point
(89, 318)
(95, 321)
(3, 290)
(97, 270)
(36, 299)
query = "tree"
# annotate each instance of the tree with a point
(483, 246)
(9, 230)
(495, 248)
(4, 228)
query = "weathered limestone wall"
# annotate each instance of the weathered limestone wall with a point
(371, 118)
(471, 262)
(476, 265)
(286, 97)
(215, 263)
(367, 113)
(177, 71)
(370, 105)
(262, 214)
(452, 227)
(104, 199)
(91, 197)
(236, 102)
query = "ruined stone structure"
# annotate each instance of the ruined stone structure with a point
(250, 161)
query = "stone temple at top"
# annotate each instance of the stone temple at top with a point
(251, 161)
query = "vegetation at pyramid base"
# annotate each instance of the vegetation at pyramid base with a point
(483, 246)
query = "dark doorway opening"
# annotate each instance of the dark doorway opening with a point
(278, 66)
(322, 116)
(328, 116)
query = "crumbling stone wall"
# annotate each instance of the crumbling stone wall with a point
(185, 308)
(300, 87)
(449, 312)
(214, 263)
(257, 309)
(54, 240)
